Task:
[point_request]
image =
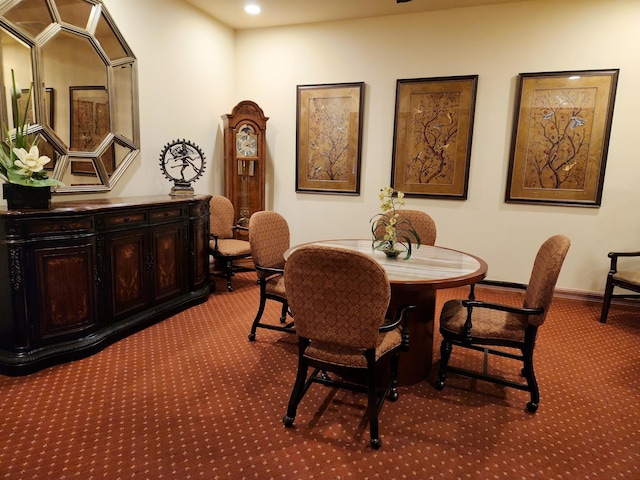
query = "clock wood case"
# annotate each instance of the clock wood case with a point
(245, 159)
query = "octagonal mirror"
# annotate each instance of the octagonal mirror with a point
(85, 100)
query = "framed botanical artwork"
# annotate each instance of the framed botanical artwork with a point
(90, 125)
(329, 138)
(432, 136)
(561, 128)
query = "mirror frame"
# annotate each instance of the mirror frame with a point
(112, 139)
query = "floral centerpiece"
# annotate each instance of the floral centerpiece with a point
(391, 234)
(21, 166)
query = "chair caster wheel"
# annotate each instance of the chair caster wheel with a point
(439, 385)
(376, 443)
(393, 396)
(252, 337)
(287, 420)
(532, 407)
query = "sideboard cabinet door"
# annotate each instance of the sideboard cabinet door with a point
(169, 260)
(64, 286)
(127, 273)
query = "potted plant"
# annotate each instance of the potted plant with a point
(391, 234)
(27, 184)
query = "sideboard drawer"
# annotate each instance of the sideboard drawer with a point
(132, 218)
(54, 226)
(166, 214)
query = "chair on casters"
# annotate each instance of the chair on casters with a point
(269, 238)
(418, 220)
(339, 300)
(479, 325)
(628, 280)
(223, 246)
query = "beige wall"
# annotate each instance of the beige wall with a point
(496, 42)
(192, 70)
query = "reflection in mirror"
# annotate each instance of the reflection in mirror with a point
(75, 12)
(85, 89)
(31, 16)
(17, 57)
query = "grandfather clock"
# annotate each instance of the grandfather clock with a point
(245, 159)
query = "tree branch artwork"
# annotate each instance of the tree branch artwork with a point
(560, 136)
(561, 129)
(434, 131)
(432, 136)
(329, 138)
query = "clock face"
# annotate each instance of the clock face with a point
(246, 145)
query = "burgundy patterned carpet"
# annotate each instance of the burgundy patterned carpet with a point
(191, 397)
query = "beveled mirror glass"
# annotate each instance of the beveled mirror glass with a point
(85, 98)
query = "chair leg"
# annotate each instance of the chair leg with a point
(229, 274)
(372, 403)
(283, 312)
(530, 376)
(263, 301)
(606, 301)
(298, 388)
(445, 352)
(393, 381)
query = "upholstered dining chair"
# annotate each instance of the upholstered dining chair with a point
(479, 325)
(269, 239)
(627, 279)
(224, 247)
(339, 299)
(420, 221)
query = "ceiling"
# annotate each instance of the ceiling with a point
(291, 12)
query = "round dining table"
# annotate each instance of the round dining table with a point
(415, 281)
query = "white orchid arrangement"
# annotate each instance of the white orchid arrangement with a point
(397, 236)
(20, 160)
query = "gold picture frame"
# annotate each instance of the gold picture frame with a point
(561, 127)
(432, 136)
(329, 138)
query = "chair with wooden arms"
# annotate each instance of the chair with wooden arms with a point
(224, 247)
(479, 325)
(627, 279)
(339, 299)
(419, 221)
(269, 238)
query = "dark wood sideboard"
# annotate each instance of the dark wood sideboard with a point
(81, 275)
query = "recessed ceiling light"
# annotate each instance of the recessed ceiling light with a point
(252, 9)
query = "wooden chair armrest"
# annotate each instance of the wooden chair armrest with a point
(614, 259)
(269, 272)
(504, 308)
(401, 318)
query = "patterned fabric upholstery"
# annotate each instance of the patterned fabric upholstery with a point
(223, 246)
(489, 323)
(269, 238)
(486, 323)
(337, 297)
(339, 300)
(479, 325)
(421, 222)
(221, 217)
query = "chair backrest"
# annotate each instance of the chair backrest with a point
(336, 296)
(221, 213)
(544, 275)
(269, 238)
(420, 221)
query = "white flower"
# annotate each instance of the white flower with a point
(31, 161)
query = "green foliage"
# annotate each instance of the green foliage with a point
(20, 161)
(398, 235)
